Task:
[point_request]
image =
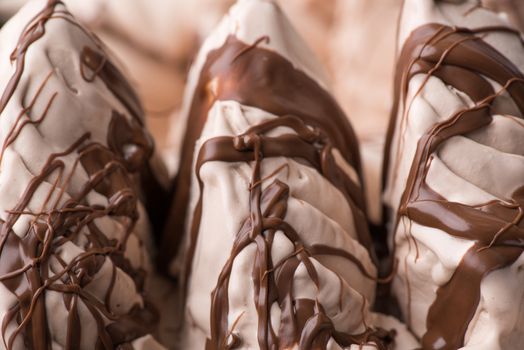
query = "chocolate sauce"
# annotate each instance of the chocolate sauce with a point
(273, 284)
(129, 141)
(26, 261)
(102, 68)
(258, 77)
(262, 79)
(461, 59)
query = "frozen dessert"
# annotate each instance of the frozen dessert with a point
(75, 241)
(154, 41)
(268, 216)
(454, 176)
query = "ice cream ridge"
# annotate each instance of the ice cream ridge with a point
(74, 235)
(268, 217)
(455, 176)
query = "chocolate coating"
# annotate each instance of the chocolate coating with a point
(463, 60)
(258, 77)
(33, 265)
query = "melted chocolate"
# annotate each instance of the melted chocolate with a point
(461, 59)
(261, 78)
(25, 262)
(273, 284)
(129, 140)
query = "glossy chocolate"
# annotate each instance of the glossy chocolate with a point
(254, 77)
(461, 59)
(258, 77)
(26, 262)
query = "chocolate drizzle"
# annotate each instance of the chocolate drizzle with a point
(302, 321)
(31, 262)
(129, 140)
(261, 78)
(461, 59)
(99, 66)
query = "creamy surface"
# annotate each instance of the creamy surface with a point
(315, 283)
(473, 161)
(75, 239)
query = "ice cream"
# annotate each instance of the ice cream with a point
(75, 241)
(155, 41)
(455, 176)
(269, 213)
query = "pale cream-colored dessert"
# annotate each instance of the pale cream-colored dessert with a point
(76, 245)
(454, 179)
(269, 221)
(155, 41)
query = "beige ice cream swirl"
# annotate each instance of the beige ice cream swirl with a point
(74, 235)
(455, 176)
(269, 212)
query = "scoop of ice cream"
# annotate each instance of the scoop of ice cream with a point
(455, 189)
(269, 216)
(75, 239)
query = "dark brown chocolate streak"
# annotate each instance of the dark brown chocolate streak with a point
(33, 31)
(461, 59)
(260, 78)
(95, 63)
(26, 260)
(302, 322)
(104, 69)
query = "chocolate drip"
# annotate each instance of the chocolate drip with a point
(461, 59)
(27, 260)
(101, 67)
(130, 141)
(33, 31)
(303, 322)
(258, 77)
